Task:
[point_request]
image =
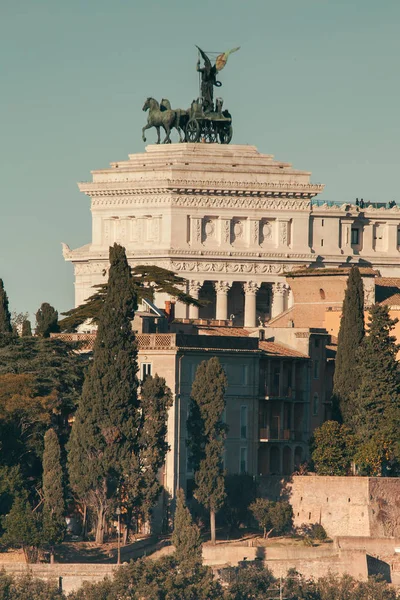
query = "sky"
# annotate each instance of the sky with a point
(316, 83)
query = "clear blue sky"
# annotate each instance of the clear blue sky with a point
(316, 83)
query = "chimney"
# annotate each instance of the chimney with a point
(169, 310)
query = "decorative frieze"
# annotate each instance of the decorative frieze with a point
(228, 267)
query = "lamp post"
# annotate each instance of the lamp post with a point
(118, 512)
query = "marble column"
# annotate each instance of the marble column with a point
(194, 289)
(222, 289)
(250, 291)
(279, 291)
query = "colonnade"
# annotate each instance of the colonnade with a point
(281, 299)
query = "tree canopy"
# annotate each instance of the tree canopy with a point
(351, 334)
(46, 320)
(146, 281)
(206, 435)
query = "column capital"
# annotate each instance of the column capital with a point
(195, 287)
(280, 288)
(250, 287)
(222, 287)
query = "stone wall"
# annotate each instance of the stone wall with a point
(348, 506)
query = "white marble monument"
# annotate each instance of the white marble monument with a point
(231, 221)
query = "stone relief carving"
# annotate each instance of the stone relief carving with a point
(66, 250)
(280, 289)
(254, 232)
(209, 229)
(250, 287)
(228, 267)
(226, 231)
(238, 230)
(222, 287)
(240, 202)
(283, 233)
(194, 288)
(267, 230)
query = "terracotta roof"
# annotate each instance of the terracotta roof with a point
(280, 350)
(392, 300)
(386, 288)
(316, 272)
(225, 331)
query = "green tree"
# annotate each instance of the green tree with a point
(351, 334)
(5, 317)
(272, 516)
(53, 493)
(23, 528)
(141, 487)
(207, 433)
(103, 445)
(146, 281)
(251, 581)
(240, 493)
(46, 320)
(332, 449)
(376, 418)
(26, 330)
(28, 588)
(186, 537)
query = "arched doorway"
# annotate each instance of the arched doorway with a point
(287, 461)
(298, 456)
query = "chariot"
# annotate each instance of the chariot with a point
(209, 127)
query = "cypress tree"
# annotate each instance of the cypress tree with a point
(141, 486)
(103, 442)
(53, 493)
(5, 316)
(207, 434)
(26, 328)
(376, 416)
(46, 320)
(351, 333)
(186, 537)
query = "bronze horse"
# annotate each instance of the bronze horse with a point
(158, 118)
(182, 117)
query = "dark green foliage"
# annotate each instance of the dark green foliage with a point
(351, 333)
(5, 317)
(376, 418)
(117, 442)
(206, 433)
(46, 320)
(186, 537)
(28, 588)
(53, 492)
(26, 330)
(40, 383)
(332, 449)
(141, 487)
(104, 443)
(146, 281)
(272, 516)
(240, 493)
(251, 581)
(297, 587)
(154, 580)
(11, 483)
(22, 528)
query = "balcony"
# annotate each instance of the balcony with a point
(270, 434)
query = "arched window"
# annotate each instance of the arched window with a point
(322, 294)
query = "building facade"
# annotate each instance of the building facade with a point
(231, 221)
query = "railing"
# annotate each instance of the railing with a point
(366, 203)
(271, 434)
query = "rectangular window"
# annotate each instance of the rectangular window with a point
(355, 236)
(243, 422)
(315, 404)
(245, 374)
(243, 460)
(145, 370)
(322, 242)
(316, 369)
(322, 222)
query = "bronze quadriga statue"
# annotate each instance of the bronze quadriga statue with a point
(204, 121)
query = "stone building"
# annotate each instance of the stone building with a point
(275, 396)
